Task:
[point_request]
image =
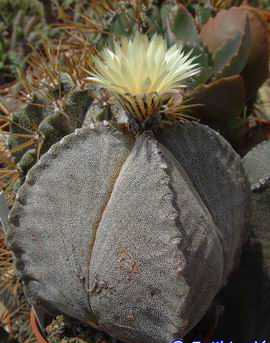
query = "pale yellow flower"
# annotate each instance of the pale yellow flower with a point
(142, 72)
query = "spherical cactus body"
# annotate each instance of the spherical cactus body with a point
(132, 234)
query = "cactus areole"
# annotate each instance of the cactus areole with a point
(133, 233)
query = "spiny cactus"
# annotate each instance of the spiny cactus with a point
(54, 112)
(55, 107)
(136, 225)
(14, 308)
(9, 172)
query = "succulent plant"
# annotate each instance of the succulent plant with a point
(49, 123)
(22, 25)
(243, 28)
(246, 294)
(104, 275)
(231, 46)
(61, 98)
(55, 106)
(234, 54)
(153, 211)
(233, 62)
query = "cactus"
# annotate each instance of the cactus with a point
(104, 267)
(256, 164)
(36, 127)
(52, 111)
(13, 306)
(60, 99)
(55, 106)
(234, 64)
(246, 295)
(9, 172)
(133, 227)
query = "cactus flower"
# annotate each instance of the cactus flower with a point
(143, 73)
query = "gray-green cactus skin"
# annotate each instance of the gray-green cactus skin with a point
(246, 296)
(134, 235)
(257, 166)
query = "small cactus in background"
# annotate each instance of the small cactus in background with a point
(56, 103)
(9, 172)
(14, 309)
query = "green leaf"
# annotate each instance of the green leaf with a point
(226, 52)
(203, 14)
(219, 101)
(205, 61)
(232, 57)
(179, 25)
(184, 26)
(122, 25)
